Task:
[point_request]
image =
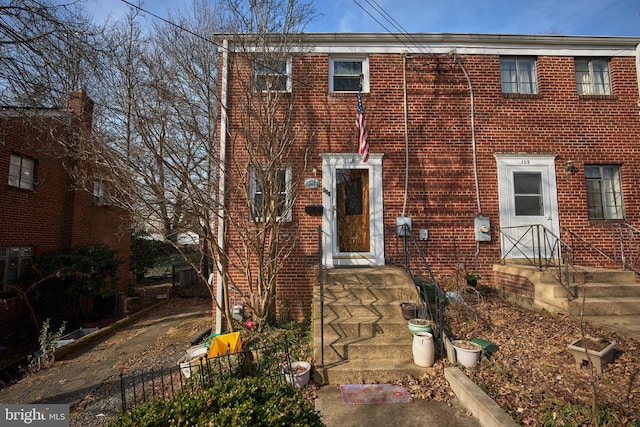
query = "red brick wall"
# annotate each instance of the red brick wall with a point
(441, 198)
(58, 213)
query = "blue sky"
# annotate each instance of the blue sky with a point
(568, 17)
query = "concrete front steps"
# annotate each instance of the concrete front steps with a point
(594, 291)
(366, 339)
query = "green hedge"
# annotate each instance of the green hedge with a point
(234, 402)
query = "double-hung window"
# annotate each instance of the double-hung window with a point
(604, 192)
(348, 74)
(518, 75)
(273, 75)
(270, 190)
(21, 172)
(592, 77)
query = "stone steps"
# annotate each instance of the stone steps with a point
(605, 291)
(366, 339)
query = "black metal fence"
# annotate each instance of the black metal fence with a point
(266, 361)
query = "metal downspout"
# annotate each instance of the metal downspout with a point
(221, 182)
(473, 131)
(473, 139)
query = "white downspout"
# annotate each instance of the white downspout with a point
(406, 134)
(221, 183)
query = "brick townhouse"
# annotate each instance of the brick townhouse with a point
(474, 141)
(42, 209)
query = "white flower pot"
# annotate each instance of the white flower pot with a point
(298, 374)
(467, 352)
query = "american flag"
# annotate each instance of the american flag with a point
(361, 126)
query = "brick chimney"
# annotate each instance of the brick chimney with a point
(82, 106)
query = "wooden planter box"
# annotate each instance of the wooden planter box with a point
(600, 352)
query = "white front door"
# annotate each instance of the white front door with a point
(352, 222)
(528, 198)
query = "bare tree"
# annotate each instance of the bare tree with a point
(267, 151)
(47, 50)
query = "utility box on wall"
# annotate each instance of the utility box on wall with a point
(482, 228)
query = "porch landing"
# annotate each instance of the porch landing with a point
(366, 339)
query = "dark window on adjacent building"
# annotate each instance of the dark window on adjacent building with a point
(22, 172)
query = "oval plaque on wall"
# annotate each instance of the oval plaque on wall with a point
(311, 183)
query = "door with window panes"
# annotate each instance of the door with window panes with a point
(352, 210)
(528, 202)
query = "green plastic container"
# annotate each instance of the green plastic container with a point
(427, 291)
(487, 346)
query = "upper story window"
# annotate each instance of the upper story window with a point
(13, 264)
(273, 75)
(604, 192)
(270, 193)
(100, 194)
(21, 172)
(592, 77)
(348, 74)
(518, 75)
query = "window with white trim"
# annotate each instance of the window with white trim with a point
(518, 75)
(22, 172)
(347, 74)
(13, 264)
(273, 75)
(604, 192)
(270, 193)
(592, 77)
(100, 194)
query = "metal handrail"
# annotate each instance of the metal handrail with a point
(541, 248)
(321, 283)
(402, 246)
(621, 238)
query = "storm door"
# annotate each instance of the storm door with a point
(352, 222)
(352, 211)
(529, 224)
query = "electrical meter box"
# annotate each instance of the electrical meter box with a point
(482, 228)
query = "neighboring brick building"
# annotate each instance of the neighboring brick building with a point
(502, 131)
(42, 208)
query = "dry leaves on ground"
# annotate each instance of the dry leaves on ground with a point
(533, 375)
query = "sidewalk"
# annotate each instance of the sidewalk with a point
(418, 413)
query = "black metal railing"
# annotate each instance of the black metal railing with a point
(403, 249)
(267, 361)
(616, 245)
(541, 248)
